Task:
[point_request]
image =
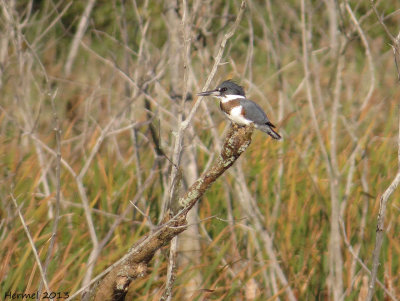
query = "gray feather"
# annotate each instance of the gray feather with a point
(268, 129)
(255, 113)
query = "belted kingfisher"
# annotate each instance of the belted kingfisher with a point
(239, 109)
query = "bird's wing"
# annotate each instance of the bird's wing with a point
(254, 112)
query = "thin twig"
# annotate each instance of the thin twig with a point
(362, 264)
(31, 242)
(335, 258)
(122, 259)
(78, 37)
(389, 34)
(175, 177)
(381, 224)
(57, 131)
(395, 40)
(218, 58)
(367, 53)
(171, 271)
(236, 142)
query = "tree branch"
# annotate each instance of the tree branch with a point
(381, 225)
(134, 264)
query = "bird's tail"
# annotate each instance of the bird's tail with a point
(267, 128)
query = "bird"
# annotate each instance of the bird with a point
(239, 109)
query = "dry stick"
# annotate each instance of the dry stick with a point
(394, 40)
(184, 125)
(44, 168)
(248, 65)
(362, 264)
(282, 87)
(31, 242)
(29, 119)
(78, 37)
(143, 40)
(235, 144)
(137, 246)
(126, 77)
(122, 216)
(257, 220)
(210, 122)
(106, 271)
(385, 196)
(85, 202)
(363, 222)
(216, 248)
(335, 257)
(335, 113)
(391, 37)
(171, 270)
(134, 265)
(86, 207)
(81, 190)
(65, 163)
(51, 25)
(113, 216)
(250, 207)
(57, 131)
(367, 53)
(218, 58)
(53, 153)
(351, 163)
(282, 91)
(308, 88)
(172, 22)
(381, 224)
(29, 123)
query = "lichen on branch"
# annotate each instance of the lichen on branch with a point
(115, 284)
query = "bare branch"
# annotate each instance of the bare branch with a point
(134, 264)
(389, 34)
(335, 257)
(218, 58)
(32, 243)
(381, 224)
(362, 264)
(395, 40)
(367, 53)
(57, 131)
(78, 36)
(171, 272)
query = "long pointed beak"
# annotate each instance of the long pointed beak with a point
(209, 93)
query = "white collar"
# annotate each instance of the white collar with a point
(228, 98)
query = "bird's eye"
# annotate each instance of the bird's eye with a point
(223, 89)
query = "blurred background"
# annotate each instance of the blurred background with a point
(294, 219)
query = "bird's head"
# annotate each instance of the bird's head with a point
(225, 89)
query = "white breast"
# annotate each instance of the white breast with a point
(236, 116)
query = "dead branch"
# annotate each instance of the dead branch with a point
(32, 243)
(78, 37)
(380, 227)
(134, 264)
